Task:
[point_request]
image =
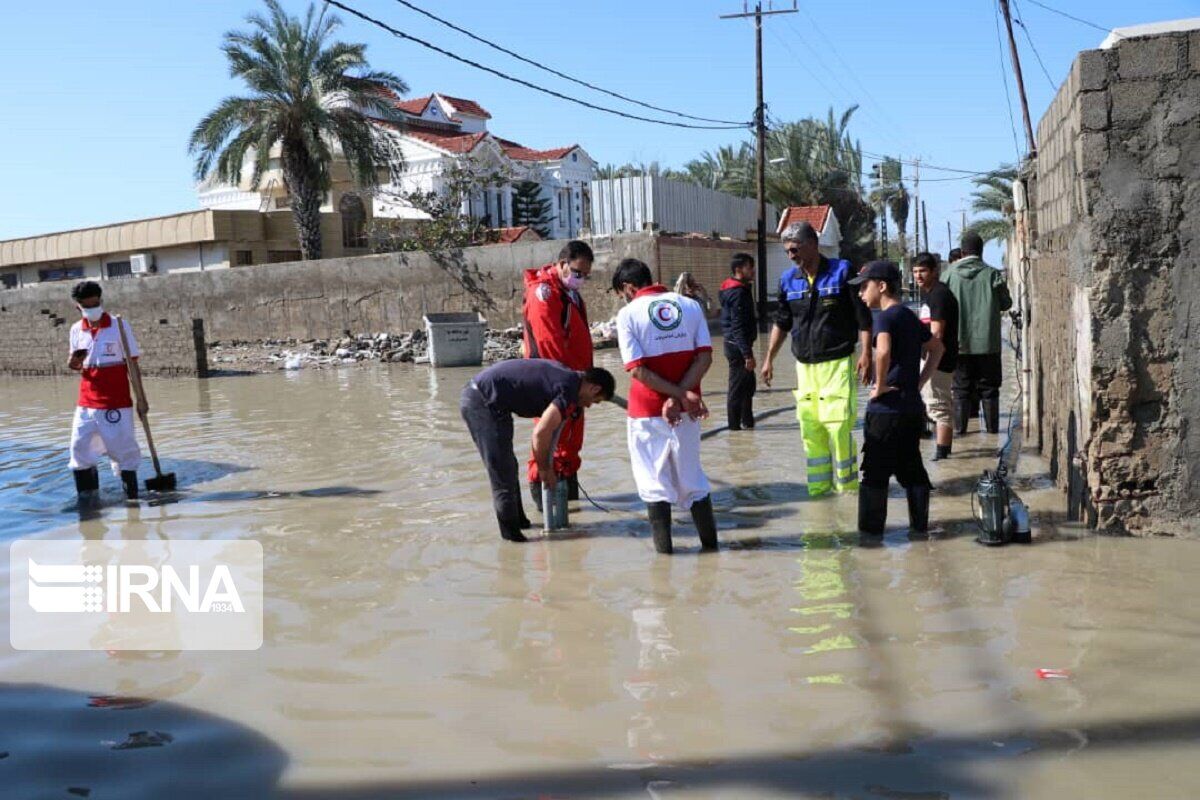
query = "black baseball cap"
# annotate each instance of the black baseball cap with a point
(877, 271)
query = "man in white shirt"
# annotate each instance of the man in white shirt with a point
(666, 349)
(103, 422)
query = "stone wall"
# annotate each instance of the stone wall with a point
(315, 300)
(34, 337)
(1114, 282)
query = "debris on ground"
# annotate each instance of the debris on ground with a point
(267, 355)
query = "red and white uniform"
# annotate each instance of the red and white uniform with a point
(664, 332)
(556, 327)
(104, 412)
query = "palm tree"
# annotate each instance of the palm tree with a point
(994, 195)
(304, 100)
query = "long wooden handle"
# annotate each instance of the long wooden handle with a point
(135, 380)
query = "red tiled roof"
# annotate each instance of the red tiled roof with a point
(416, 106)
(522, 153)
(511, 235)
(817, 216)
(466, 106)
(446, 140)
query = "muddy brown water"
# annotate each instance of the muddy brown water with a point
(410, 653)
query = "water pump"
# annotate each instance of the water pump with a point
(1002, 517)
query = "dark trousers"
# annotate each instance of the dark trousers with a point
(739, 400)
(892, 446)
(492, 432)
(976, 378)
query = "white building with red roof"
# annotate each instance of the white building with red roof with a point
(430, 134)
(823, 220)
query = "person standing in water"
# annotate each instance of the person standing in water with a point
(556, 328)
(534, 389)
(895, 414)
(666, 349)
(939, 312)
(103, 423)
(739, 329)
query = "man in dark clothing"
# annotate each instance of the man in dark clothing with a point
(532, 388)
(825, 319)
(939, 313)
(740, 328)
(983, 298)
(895, 413)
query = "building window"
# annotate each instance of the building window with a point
(118, 269)
(281, 256)
(61, 273)
(243, 258)
(9, 280)
(354, 221)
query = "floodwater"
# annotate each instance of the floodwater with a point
(409, 652)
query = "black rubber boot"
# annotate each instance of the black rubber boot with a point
(511, 531)
(942, 452)
(535, 491)
(991, 415)
(872, 509)
(962, 417)
(87, 480)
(706, 524)
(918, 509)
(129, 479)
(524, 522)
(573, 487)
(659, 515)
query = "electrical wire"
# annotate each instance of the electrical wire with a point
(1029, 38)
(552, 71)
(1076, 19)
(1012, 120)
(430, 46)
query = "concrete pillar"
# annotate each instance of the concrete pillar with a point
(508, 205)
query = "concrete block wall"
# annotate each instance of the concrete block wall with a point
(35, 326)
(1114, 277)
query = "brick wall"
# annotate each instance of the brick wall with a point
(1113, 281)
(34, 330)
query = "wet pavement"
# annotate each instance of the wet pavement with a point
(410, 653)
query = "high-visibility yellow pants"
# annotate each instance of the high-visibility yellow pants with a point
(826, 406)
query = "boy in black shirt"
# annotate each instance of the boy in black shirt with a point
(526, 388)
(739, 327)
(939, 312)
(895, 413)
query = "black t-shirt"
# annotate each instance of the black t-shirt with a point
(904, 373)
(525, 386)
(940, 304)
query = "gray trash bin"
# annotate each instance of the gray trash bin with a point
(455, 339)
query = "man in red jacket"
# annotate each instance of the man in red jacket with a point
(556, 327)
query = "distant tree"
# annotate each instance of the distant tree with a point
(531, 208)
(993, 195)
(303, 99)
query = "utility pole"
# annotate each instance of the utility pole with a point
(949, 239)
(917, 206)
(925, 225)
(760, 135)
(1016, 60)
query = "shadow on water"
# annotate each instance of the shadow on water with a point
(918, 767)
(132, 748)
(63, 743)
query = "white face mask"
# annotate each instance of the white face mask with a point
(93, 314)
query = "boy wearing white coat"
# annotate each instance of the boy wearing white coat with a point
(666, 349)
(103, 422)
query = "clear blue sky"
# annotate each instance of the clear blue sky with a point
(99, 99)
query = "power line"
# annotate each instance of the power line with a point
(1004, 75)
(430, 46)
(555, 72)
(1029, 38)
(1076, 19)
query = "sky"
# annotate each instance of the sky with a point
(99, 99)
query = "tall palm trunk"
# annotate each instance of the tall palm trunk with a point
(305, 201)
